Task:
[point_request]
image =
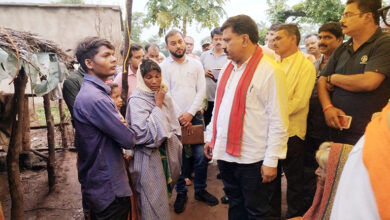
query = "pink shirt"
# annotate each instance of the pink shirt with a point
(131, 80)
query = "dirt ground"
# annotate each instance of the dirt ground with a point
(65, 200)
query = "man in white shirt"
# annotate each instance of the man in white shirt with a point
(248, 130)
(185, 78)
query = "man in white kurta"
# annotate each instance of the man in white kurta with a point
(248, 177)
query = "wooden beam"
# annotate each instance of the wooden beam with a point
(40, 154)
(126, 53)
(15, 185)
(64, 139)
(45, 126)
(50, 142)
(26, 127)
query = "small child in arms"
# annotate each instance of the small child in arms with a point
(116, 96)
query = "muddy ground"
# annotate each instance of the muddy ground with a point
(65, 200)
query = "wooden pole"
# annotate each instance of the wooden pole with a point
(50, 142)
(26, 127)
(64, 140)
(126, 52)
(15, 145)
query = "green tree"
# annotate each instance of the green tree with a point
(315, 12)
(137, 25)
(180, 13)
(262, 26)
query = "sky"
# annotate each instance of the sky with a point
(254, 8)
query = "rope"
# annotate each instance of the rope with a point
(128, 48)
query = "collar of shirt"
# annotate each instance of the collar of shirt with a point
(130, 72)
(170, 59)
(98, 83)
(375, 36)
(243, 66)
(290, 58)
(211, 52)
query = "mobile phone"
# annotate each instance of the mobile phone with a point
(215, 72)
(345, 121)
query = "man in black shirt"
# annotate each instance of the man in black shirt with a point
(71, 87)
(356, 79)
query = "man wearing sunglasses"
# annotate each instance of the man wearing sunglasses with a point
(356, 79)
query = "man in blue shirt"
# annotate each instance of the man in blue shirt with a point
(101, 135)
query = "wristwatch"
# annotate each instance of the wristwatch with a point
(328, 79)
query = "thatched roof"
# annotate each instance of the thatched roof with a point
(27, 43)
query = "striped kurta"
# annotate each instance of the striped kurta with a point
(146, 170)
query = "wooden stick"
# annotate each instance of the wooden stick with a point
(26, 127)
(45, 126)
(50, 142)
(126, 52)
(15, 144)
(64, 140)
(40, 154)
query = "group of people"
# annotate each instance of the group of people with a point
(268, 110)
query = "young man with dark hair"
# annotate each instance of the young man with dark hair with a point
(71, 87)
(357, 72)
(213, 60)
(135, 57)
(248, 130)
(185, 78)
(101, 135)
(300, 77)
(271, 34)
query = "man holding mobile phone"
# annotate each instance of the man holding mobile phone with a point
(356, 80)
(212, 61)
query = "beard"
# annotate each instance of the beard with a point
(177, 55)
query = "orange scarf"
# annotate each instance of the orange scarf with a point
(236, 120)
(376, 158)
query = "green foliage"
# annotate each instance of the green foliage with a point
(179, 13)
(315, 12)
(262, 26)
(262, 33)
(40, 111)
(276, 10)
(137, 25)
(323, 11)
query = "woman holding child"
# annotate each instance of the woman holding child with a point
(152, 115)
